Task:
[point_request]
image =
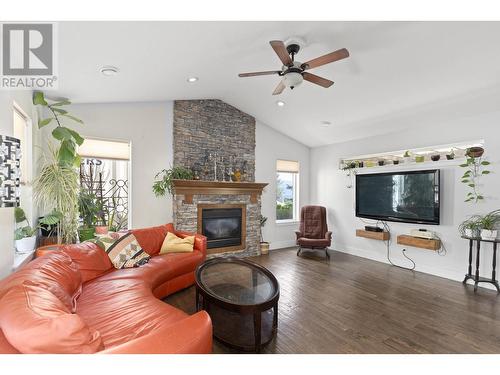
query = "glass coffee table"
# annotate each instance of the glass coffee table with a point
(241, 298)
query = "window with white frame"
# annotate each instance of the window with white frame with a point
(287, 191)
(104, 172)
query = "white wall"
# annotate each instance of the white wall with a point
(149, 127)
(7, 224)
(329, 188)
(271, 146)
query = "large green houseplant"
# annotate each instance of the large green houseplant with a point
(164, 179)
(57, 185)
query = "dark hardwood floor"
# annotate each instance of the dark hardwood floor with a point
(356, 305)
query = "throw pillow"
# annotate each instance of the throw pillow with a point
(55, 271)
(90, 258)
(174, 244)
(151, 239)
(124, 252)
(35, 321)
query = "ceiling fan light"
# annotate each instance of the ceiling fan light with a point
(293, 79)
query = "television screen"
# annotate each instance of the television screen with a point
(409, 197)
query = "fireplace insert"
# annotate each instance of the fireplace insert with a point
(223, 227)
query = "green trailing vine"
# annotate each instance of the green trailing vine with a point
(163, 179)
(475, 168)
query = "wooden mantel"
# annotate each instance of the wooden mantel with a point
(192, 187)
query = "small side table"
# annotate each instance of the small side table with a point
(477, 279)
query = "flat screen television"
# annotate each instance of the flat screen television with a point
(407, 197)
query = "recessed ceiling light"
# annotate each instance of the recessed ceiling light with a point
(280, 103)
(109, 70)
(326, 123)
(192, 79)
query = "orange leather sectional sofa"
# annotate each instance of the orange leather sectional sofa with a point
(75, 301)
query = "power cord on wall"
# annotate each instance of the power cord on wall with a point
(388, 244)
(442, 250)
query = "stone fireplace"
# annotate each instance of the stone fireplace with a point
(227, 212)
(224, 225)
(230, 210)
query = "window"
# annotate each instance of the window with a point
(104, 172)
(287, 190)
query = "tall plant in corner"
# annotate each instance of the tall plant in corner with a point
(57, 185)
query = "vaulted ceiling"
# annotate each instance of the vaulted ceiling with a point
(394, 68)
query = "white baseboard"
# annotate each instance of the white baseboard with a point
(281, 244)
(379, 257)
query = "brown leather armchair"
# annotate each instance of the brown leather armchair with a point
(313, 231)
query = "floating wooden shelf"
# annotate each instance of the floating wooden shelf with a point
(381, 236)
(419, 242)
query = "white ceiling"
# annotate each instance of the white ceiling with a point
(394, 67)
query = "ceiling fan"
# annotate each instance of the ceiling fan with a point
(294, 72)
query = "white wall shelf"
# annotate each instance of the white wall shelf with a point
(370, 161)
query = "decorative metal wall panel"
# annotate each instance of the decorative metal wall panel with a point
(10, 172)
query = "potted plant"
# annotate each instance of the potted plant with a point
(471, 227)
(407, 156)
(88, 208)
(451, 155)
(475, 169)
(24, 236)
(474, 152)
(264, 246)
(349, 167)
(163, 179)
(48, 225)
(57, 185)
(435, 157)
(488, 224)
(419, 158)
(57, 188)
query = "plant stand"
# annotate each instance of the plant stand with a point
(477, 279)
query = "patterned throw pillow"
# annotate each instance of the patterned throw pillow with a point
(124, 252)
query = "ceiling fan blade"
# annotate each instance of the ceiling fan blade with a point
(253, 74)
(279, 89)
(326, 59)
(323, 82)
(280, 49)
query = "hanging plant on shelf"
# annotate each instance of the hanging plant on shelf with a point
(350, 168)
(475, 166)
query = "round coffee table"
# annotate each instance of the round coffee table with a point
(241, 298)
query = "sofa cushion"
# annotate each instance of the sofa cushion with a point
(56, 272)
(91, 260)
(124, 309)
(124, 252)
(151, 239)
(35, 321)
(174, 244)
(159, 269)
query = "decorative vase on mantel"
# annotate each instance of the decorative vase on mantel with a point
(236, 177)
